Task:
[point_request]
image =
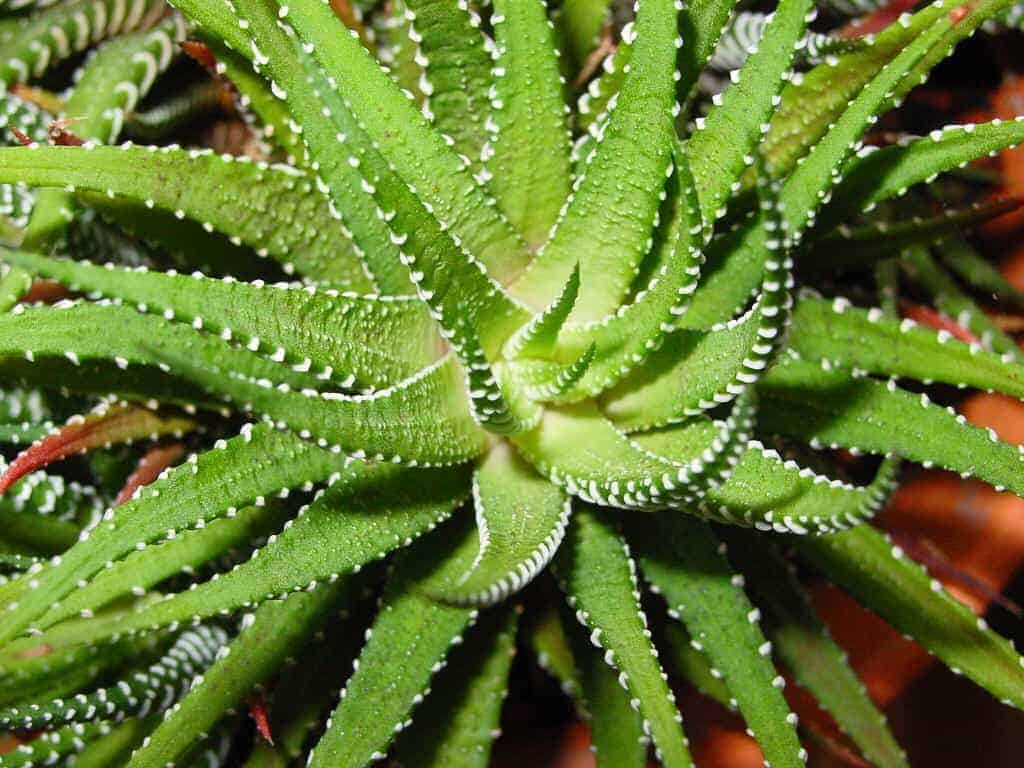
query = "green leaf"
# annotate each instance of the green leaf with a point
(865, 563)
(457, 71)
(859, 247)
(407, 644)
(580, 450)
(160, 685)
(684, 562)
(865, 340)
(404, 138)
(623, 340)
(371, 341)
(807, 187)
(243, 471)
(606, 225)
(580, 23)
(832, 408)
(55, 746)
(949, 299)
(771, 493)
(265, 207)
(521, 521)
(599, 578)
(371, 511)
(457, 724)
(45, 39)
(881, 174)
(813, 102)
(801, 641)
(976, 271)
(616, 727)
(277, 630)
(723, 145)
(702, 23)
(140, 571)
(529, 170)
(14, 284)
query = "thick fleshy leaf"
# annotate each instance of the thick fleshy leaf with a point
(243, 471)
(371, 511)
(277, 630)
(269, 208)
(801, 641)
(682, 559)
(521, 520)
(529, 169)
(865, 563)
(599, 578)
(606, 224)
(406, 646)
(355, 340)
(457, 724)
(107, 425)
(160, 685)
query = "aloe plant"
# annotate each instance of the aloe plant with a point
(456, 333)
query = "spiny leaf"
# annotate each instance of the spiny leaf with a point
(407, 644)
(104, 348)
(457, 724)
(259, 462)
(423, 420)
(538, 337)
(616, 727)
(624, 340)
(683, 560)
(682, 377)
(457, 282)
(405, 139)
(14, 284)
(746, 28)
(807, 187)
(606, 224)
(140, 571)
(529, 170)
(52, 747)
(954, 303)
(161, 684)
(269, 636)
(865, 340)
(117, 76)
(457, 69)
(702, 23)
(47, 38)
(812, 103)
(722, 146)
(269, 208)
(371, 511)
(802, 642)
(599, 578)
(877, 573)
(577, 448)
(521, 521)
(367, 340)
(833, 408)
(859, 247)
(105, 426)
(694, 666)
(770, 493)
(881, 174)
(116, 747)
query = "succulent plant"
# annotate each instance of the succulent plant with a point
(448, 332)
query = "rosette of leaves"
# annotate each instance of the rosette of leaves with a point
(459, 332)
